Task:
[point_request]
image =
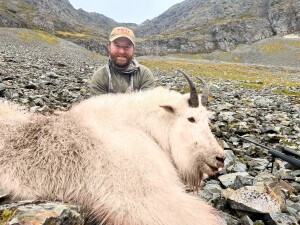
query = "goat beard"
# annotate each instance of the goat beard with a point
(193, 181)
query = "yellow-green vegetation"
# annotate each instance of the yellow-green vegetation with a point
(226, 56)
(279, 46)
(251, 85)
(287, 92)
(223, 56)
(30, 35)
(236, 58)
(5, 216)
(294, 43)
(273, 47)
(250, 76)
(288, 143)
(225, 21)
(72, 34)
(21, 8)
(217, 55)
(24, 8)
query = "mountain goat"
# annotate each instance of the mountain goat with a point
(121, 157)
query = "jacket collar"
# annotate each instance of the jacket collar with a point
(133, 66)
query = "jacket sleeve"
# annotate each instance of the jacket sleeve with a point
(99, 82)
(147, 79)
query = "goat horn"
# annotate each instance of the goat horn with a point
(194, 99)
(205, 92)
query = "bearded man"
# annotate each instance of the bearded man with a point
(122, 73)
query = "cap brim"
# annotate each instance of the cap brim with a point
(119, 36)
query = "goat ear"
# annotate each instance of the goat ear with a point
(168, 108)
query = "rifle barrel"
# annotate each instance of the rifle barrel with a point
(290, 151)
(278, 154)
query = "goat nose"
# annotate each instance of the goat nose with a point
(221, 160)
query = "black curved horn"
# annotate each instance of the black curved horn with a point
(194, 99)
(205, 92)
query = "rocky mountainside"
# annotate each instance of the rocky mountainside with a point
(195, 26)
(275, 51)
(192, 26)
(58, 17)
(51, 15)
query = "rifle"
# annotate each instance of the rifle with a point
(278, 154)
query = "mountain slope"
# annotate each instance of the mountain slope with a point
(58, 17)
(206, 25)
(51, 15)
(274, 51)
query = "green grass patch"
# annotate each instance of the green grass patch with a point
(287, 92)
(21, 8)
(5, 216)
(252, 74)
(279, 46)
(30, 35)
(251, 85)
(288, 143)
(294, 43)
(72, 34)
(273, 47)
(24, 8)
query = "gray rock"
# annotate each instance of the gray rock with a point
(226, 117)
(2, 88)
(246, 220)
(229, 219)
(228, 179)
(264, 177)
(287, 175)
(278, 218)
(258, 164)
(237, 166)
(241, 181)
(253, 199)
(42, 214)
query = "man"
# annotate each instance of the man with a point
(122, 72)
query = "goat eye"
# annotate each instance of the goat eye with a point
(192, 119)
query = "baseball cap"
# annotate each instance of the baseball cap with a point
(121, 32)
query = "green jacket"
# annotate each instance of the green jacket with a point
(141, 78)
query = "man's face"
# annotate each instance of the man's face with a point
(121, 51)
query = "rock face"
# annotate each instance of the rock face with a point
(195, 26)
(56, 16)
(50, 15)
(192, 26)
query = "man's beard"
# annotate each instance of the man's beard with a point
(121, 62)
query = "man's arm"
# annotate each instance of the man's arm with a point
(147, 78)
(99, 82)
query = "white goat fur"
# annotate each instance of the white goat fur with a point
(121, 157)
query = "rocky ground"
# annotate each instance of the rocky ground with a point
(52, 76)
